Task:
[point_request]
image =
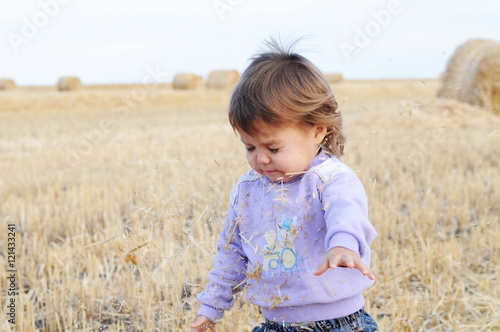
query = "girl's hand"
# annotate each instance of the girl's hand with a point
(343, 257)
(202, 324)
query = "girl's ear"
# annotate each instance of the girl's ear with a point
(319, 133)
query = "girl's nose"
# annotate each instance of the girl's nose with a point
(262, 158)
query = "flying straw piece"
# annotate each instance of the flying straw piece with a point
(130, 256)
(232, 233)
(102, 242)
(328, 286)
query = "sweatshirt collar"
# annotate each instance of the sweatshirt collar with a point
(320, 158)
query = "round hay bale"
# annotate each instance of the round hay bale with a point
(473, 74)
(184, 81)
(69, 83)
(333, 78)
(222, 79)
(6, 84)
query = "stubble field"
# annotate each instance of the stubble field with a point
(118, 195)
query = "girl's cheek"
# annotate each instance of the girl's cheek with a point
(250, 161)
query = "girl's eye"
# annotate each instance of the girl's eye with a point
(273, 150)
(250, 149)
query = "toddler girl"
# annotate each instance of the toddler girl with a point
(297, 234)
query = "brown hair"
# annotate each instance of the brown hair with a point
(281, 87)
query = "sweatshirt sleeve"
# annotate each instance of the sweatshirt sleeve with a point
(229, 271)
(346, 214)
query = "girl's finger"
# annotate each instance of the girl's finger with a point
(336, 261)
(322, 267)
(360, 265)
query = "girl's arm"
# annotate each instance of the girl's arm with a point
(229, 271)
(349, 232)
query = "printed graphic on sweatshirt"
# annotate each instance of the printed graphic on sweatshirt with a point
(280, 256)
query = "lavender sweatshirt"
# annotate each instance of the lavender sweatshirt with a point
(277, 234)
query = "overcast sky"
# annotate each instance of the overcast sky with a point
(118, 41)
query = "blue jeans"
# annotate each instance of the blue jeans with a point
(359, 321)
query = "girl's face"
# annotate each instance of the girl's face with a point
(282, 153)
